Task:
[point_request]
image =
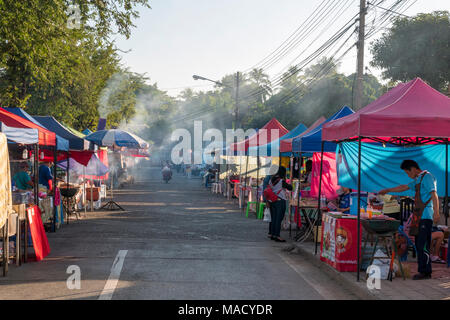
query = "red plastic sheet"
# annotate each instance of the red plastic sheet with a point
(329, 176)
(40, 241)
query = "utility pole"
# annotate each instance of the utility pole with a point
(360, 68)
(236, 110)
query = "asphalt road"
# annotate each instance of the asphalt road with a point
(175, 241)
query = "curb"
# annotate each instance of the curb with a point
(358, 288)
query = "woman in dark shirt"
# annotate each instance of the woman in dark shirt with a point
(278, 208)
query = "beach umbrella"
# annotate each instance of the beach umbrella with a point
(117, 138)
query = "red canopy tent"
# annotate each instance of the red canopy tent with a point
(286, 145)
(410, 114)
(271, 131)
(46, 137)
(410, 110)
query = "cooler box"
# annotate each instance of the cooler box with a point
(354, 202)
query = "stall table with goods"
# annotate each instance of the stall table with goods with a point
(339, 241)
(306, 215)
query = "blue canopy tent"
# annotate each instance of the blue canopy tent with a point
(86, 132)
(61, 143)
(312, 142)
(75, 142)
(266, 150)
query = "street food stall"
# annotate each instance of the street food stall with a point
(323, 180)
(410, 114)
(271, 131)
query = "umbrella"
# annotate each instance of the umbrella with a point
(117, 138)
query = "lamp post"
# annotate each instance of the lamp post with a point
(236, 107)
(236, 112)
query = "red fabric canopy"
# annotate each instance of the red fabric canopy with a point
(103, 156)
(46, 137)
(412, 109)
(271, 131)
(286, 145)
(82, 157)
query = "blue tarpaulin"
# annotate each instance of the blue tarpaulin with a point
(380, 166)
(312, 142)
(61, 143)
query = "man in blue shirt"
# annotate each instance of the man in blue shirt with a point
(45, 176)
(428, 190)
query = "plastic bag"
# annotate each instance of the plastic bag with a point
(267, 216)
(384, 264)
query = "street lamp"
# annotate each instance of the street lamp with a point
(236, 110)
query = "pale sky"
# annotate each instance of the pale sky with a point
(179, 38)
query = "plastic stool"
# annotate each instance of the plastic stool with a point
(259, 210)
(262, 206)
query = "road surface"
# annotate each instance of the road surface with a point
(175, 241)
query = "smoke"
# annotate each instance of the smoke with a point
(106, 103)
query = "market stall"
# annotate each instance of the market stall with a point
(323, 174)
(410, 114)
(271, 131)
(80, 150)
(339, 245)
(116, 140)
(48, 154)
(263, 154)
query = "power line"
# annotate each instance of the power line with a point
(280, 77)
(305, 34)
(288, 39)
(300, 66)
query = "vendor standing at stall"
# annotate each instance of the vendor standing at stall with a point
(22, 179)
(424, 185)
(45, 176)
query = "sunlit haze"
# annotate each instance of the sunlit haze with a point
(177, 38)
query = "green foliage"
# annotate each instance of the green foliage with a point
(323, 98)
(50, 68)
(416, 47)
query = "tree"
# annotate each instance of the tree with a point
(48, 67)
(416, 47)
(262, 82)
